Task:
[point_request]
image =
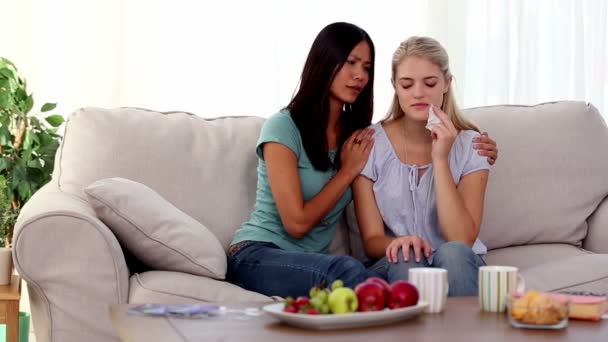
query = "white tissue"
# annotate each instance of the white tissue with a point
(433, 119)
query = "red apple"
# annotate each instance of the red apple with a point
(371, 296)
(385, 286)
(402, 294)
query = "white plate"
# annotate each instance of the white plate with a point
(349, 320)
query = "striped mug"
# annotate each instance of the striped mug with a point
(496, 285)
(432, 285)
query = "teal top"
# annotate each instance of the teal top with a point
(265, 223)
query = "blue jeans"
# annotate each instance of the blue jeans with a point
(456, 257)
(265, 268)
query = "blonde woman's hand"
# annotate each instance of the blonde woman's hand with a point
(355, 151)
(404, 243)
(444, 134)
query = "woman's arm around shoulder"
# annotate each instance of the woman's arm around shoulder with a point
(298, 216)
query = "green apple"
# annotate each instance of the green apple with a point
(343, 300)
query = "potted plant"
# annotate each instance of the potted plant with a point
(28, 144)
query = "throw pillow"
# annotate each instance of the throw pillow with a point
(155, 231)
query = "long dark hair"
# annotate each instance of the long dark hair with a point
(309, 108)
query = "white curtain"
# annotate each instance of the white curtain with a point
(244, 57)
(525, 52)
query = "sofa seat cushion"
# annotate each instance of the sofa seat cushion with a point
(532, 255)
(181, 288)
(577, 273)
(154, 231)
(555, 267)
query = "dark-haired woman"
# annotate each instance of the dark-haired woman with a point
(310, 153)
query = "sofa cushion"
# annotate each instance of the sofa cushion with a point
(204, 167)
(357, 249)
(155, 231)
(577, 273)
(532, 255)
(181, 288)
(550, 175)
(340, 244)
(555, 267)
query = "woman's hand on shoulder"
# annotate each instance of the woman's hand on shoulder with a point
(404, 243)
(355, 151)
(485, 146)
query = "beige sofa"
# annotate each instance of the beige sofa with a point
(545, 209)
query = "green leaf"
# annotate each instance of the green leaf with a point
(27, 142)
(7, 73)
(5, 85)
(55, 120)
(21, 95)
(35, 164)
(5, 120)
(10, 195)
(48, 107)
(5, 136)
(4, 62)
(29, 104)
(44, 138)
(5, 100)
(26, 156)
(4, 164)
(18, 176)
(35, 139)
(24, 190)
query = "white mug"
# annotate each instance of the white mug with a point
(432, 285)
(496, 285)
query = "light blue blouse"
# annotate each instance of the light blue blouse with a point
(407, 202)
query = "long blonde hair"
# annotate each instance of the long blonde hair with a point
(431, 50)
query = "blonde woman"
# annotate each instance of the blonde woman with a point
(419, 199)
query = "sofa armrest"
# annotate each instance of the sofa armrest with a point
(73, 264)
(597, 235)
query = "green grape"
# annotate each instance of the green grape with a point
(316, 303)
(322, 296)
(324, 309)
(337, 284)
(288, 301)
(314, 291)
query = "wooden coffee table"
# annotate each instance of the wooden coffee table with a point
(461, 321)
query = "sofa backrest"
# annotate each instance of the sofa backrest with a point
(551, 172)
(549, 178)
(205, 167)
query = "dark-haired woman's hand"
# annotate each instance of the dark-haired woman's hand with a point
(485, 146)
(355, 151)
